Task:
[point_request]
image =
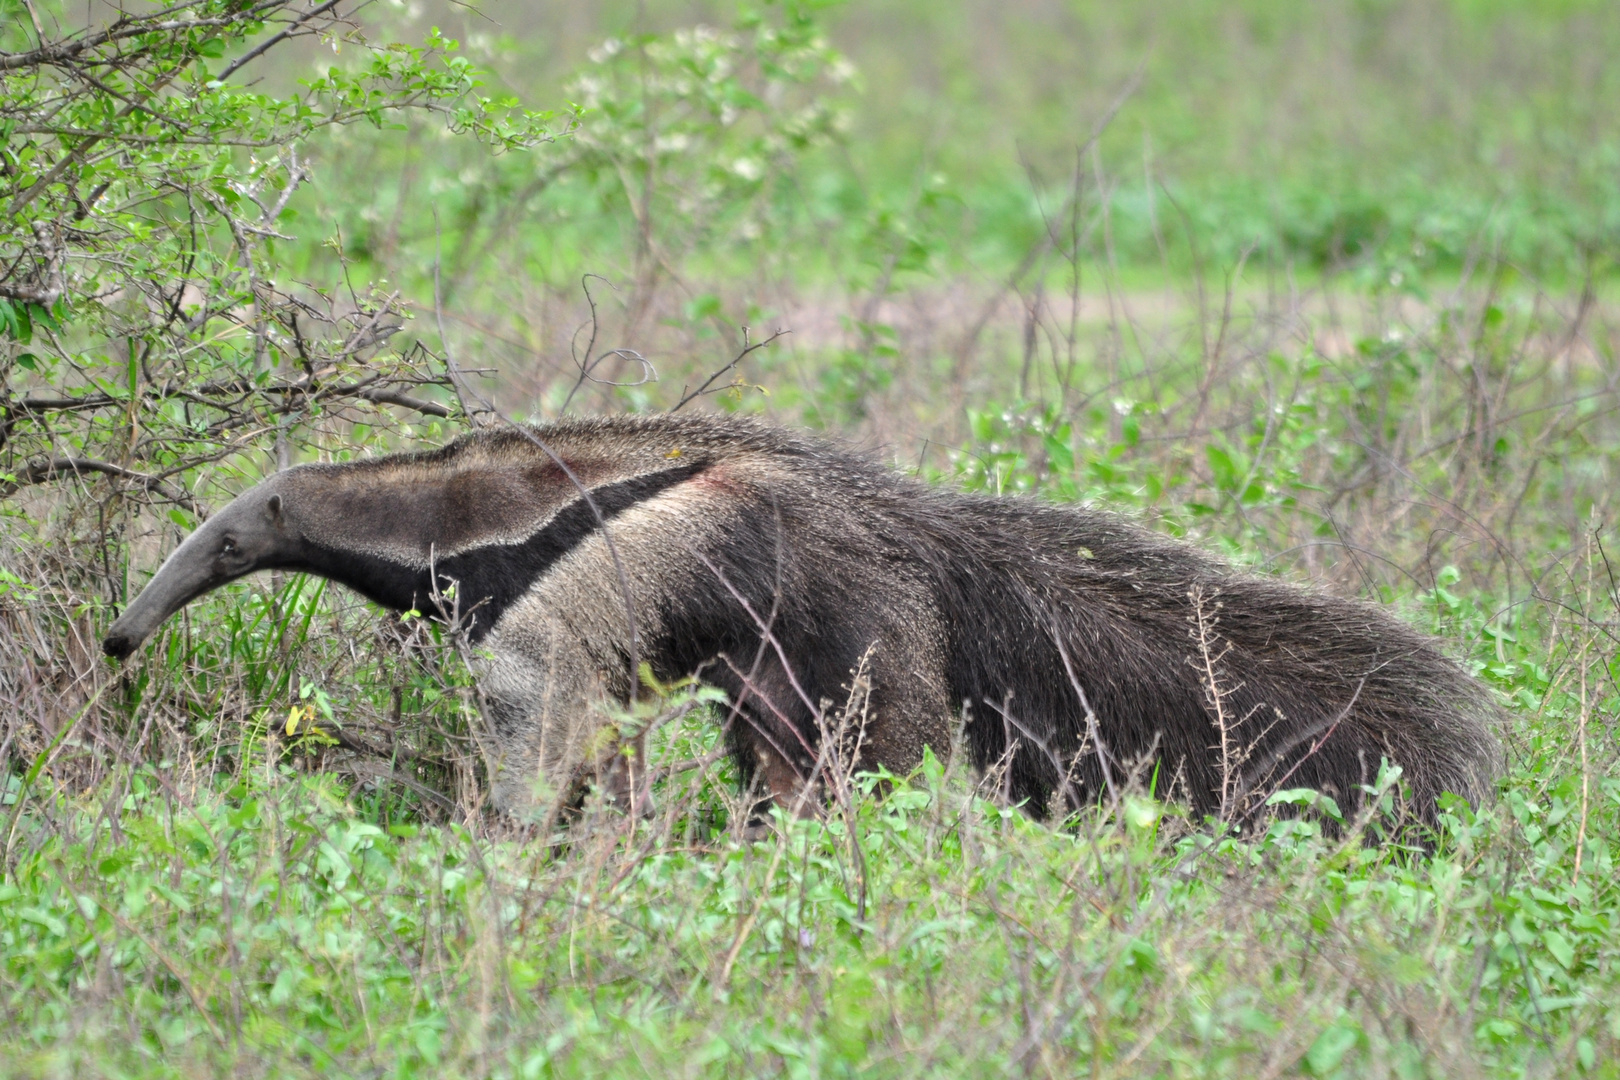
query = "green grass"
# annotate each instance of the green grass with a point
(275, 927)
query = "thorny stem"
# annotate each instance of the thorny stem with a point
(1093, 728)
(1214, 693)
(747, 348)
(1580, 731)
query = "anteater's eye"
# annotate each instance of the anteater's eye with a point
(228, 547)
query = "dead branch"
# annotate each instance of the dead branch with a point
(40, 472)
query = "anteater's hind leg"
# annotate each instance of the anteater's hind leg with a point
(772, 744)
(890, 707)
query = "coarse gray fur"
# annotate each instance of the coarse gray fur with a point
(993, 613)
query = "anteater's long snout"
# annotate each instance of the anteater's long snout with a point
(118, 643)
(187, 574)
(243, 537)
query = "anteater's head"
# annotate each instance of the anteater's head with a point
(255, 531)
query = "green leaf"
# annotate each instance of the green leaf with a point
(1059, 454)
(16, 321)
(1221, 467)
(702, 307)
(43, 918)
(1307, 797)
(1329, 1050)
(42, 314)
(982, 424)
(1560, 947)
(428, 1043)
(282, 990)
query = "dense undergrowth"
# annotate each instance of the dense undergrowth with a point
(170, 923)
(261, 847)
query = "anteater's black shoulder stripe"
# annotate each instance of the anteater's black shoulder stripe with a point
(494, 577)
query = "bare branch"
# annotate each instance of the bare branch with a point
(394, 397)
(735, 360)
(40, 472)
(60, 52)
(271, 42)
(366, 390)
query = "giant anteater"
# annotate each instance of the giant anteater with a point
(1064, 640)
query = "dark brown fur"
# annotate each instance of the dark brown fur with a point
(1002, 611)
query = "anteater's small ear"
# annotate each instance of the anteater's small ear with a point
(275, 507)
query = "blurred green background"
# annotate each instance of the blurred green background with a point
(1400, 135)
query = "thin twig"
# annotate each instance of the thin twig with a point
(731, 365)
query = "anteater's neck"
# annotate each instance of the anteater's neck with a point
(395, 585)
(477, 581)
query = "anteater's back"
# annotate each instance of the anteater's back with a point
(1218, 685)
(1172, 645)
